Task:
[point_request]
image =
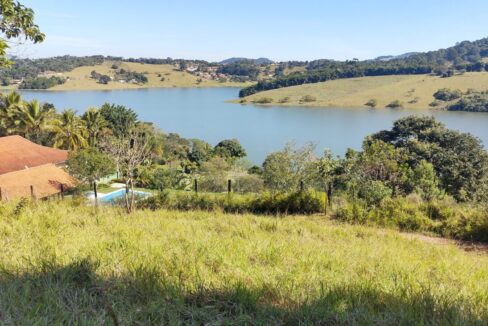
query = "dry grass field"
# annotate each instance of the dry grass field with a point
(64, 264)
(79, 78)
(414, 91)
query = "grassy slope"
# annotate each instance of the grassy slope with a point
(61, 264)
(355, 92)
(80, 78)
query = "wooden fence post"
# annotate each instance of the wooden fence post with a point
(302, 185)
(33, 195)
(62, 191)
(1, 197)
(195, 186)
(229, 186)
(95, 192)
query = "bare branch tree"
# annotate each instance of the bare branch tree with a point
(129, 154)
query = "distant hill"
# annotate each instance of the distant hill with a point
(258, 61)
(466, 56)
(394, 57)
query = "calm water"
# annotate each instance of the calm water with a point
(203, 113)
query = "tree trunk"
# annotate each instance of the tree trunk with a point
(132, 199)
(95, 192)
(127, 206)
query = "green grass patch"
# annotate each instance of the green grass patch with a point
(67, 264)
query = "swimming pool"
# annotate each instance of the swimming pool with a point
(117, 196)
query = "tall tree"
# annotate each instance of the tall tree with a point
(34, 119)
(94, 123)
(16, 21)
(120, 119)
(11, 105)
(70, 132)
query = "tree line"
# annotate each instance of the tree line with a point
(465, 56)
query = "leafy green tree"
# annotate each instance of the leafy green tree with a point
(284, 170)
(214, 175)
(230, 149)
(69, 131)
(16, 21)
(200, 151)
(120, 120)
(33, 120)
(11, 105)
(424, 181)
(459, 160)
(94, 124)
(90, 165)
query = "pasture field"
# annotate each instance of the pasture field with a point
(80, 79)
(413, 91)
(63, 263)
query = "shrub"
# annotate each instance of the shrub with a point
(308, 99)
(294, 203)
(263, 100)
(249, 183)
(446, 94)
(395, 104)
(372, 103)
(285, 99)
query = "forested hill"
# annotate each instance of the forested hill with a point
(464, 56)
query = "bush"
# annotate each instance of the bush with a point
(446, 94)
(249, 183)
(285, 99)
(395, 104)
(372, 103)
(263, 100)
(266, 203)
(308, 99)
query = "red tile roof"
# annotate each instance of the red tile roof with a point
(18, 153)
(46, 180)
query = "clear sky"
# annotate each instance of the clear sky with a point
(277, 29)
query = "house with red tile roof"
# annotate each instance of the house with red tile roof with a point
(28, 169)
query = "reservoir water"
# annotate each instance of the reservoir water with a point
(203, 113)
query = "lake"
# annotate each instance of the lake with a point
(203, 113)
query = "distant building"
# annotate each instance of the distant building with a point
(28, 169)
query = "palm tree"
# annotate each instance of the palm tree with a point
(10, 106)
(70, 132)
(94, 123)
(32, 120)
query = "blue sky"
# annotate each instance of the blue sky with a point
(280, 30)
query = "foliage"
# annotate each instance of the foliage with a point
(16, 21)
(263, 100)
(395, 104)
(283, 171)
(463, 56)
(240, 68)
(249, 183)
(446, 94)
(471, 102)
(308, 99)
(459, 159)
(200, 151)
(230, 149)
(214, 175)
(120, 120)
(372, 103)
(89, 165)
(41, 82)
(161, 177)
(69, 131)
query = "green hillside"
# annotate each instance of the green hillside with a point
(412, 91)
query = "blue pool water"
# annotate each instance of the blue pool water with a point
(118, 195)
